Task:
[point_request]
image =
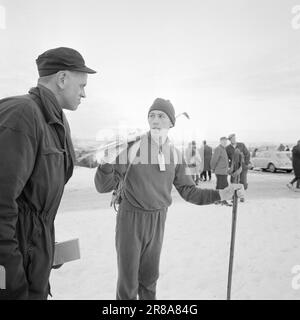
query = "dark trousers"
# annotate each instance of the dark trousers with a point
(204, 175)
(222, 181)
(296, 179)
(139, 238)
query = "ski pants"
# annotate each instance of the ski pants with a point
(139, 238)
(205, 173)
(296, 179)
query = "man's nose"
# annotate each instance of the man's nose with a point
(156, 119)
(83, 95)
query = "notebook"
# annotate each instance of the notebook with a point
(66, 251)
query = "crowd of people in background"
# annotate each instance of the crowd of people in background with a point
(282, 147)
(203, 161)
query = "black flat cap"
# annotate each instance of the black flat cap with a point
(62, 58)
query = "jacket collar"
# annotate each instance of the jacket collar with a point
(150, 138)
(50, 107)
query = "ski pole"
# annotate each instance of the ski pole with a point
(236, 166)
(232, 242)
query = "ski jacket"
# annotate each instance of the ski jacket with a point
(36, 161)
(207, 157)
(245, 153)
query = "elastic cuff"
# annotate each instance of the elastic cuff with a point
(106, 168)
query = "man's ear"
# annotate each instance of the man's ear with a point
(61, 79)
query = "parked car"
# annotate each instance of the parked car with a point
(273, 161)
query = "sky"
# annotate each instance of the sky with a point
(233, 65)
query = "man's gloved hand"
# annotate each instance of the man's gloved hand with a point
(110, 152)
(227, 193)
(118, 143)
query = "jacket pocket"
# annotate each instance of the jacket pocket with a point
(51, 150)
(49, 172)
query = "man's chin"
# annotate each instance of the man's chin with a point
(155, 130)
(159, 132)
(72, 108)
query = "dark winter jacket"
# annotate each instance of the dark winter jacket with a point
(207, 157)
(148, 188)
(241, 146)
(296, 160)
(36, 161)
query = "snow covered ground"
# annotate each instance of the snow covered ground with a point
(194, 262)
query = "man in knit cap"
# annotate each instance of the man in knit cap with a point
(154, 165)
(37, 160)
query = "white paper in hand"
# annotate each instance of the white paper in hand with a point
(2, 278)
(66, 251)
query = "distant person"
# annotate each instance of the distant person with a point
(287, 148)
(296, 166)
(254, 152)
(145, 184)
(194, 161)
(245, 157)
(236, 167)
(37, 160)
(207, 151)
(220, 165)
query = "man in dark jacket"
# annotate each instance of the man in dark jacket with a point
(207, 154)
(245, 156)
(36, 161)
(154, 165)
(296, 166)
